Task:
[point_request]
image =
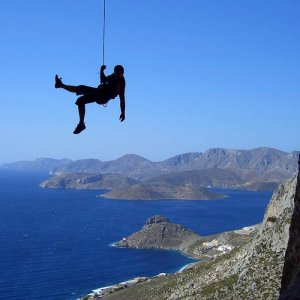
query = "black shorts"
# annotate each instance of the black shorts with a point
(91, 94)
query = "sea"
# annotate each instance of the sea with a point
(58, 243)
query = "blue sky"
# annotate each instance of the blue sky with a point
(200, 74)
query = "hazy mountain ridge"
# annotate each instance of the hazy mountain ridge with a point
(260, 164)
(39, 164)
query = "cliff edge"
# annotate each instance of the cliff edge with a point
(290, 284)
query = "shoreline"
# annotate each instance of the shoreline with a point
(98, 293)
(103, 291)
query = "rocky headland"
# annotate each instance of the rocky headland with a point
(160, 233)
(88, 181)
(185, 185)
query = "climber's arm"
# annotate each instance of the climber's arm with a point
(122, 101)
(102, 75)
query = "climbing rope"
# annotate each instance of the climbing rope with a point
(103, 31)
(103, 37)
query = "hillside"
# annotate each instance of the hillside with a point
(160, 191)
(88, 181)
(203, 177)
(251, 271)
(189, 185)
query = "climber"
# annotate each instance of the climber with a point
(110, 87)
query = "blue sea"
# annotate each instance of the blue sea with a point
(57, 244)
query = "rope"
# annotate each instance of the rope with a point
(103, 31)
(103, 37)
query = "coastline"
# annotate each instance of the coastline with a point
(210, 242)
(103, 291)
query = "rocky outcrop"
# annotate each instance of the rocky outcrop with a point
(251, 271)
(88, 181)
(290, 285)
(159, 233)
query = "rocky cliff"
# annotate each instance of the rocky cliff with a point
(252, 271)
(290, 284)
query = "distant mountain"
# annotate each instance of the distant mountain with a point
(40, 164)
(88, 181)
(204, 177)
(90, 165)
(261, 164)
(131, 165)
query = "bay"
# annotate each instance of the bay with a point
(56, 243)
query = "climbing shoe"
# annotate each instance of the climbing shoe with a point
(58, 82)
(80, 127)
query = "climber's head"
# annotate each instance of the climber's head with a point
(119, 70)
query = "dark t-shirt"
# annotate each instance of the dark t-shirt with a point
(110, 86)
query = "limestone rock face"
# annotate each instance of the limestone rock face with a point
(159, 233)
(290, 285)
